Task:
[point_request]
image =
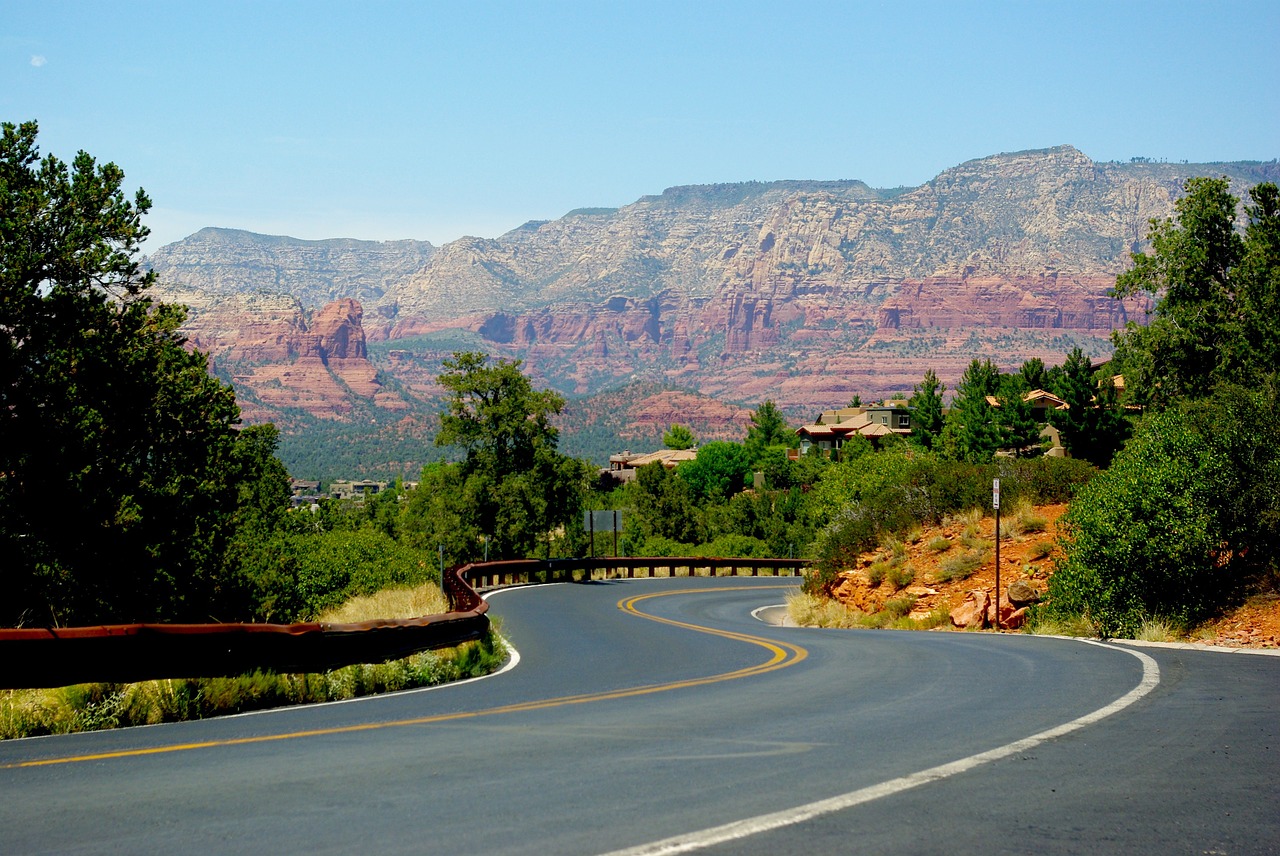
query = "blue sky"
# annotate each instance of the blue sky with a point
(387, 120)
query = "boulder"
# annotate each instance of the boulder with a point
(973, 612)
(1022, 593)
(1012, 619)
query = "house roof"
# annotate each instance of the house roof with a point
(666, 457)
(1035, 396)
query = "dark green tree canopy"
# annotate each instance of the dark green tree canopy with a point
(926, 409)
(1215, 293)
(971, 433)
(513, 487)
(120, 480)
(768, 428)
(720, 470)
(1093, 426)
(495, 415)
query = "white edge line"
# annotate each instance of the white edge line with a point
(789, 817)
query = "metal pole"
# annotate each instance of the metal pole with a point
(996, 494)
(616, 515)
(591, 518)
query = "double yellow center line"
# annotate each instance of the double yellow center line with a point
(781, 655)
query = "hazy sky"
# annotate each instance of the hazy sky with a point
(386, 120)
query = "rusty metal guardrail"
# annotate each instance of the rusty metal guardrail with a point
(59, 656)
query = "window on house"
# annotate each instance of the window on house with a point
(904, 421)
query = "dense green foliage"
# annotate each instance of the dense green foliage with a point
(513, 489)
(927, 410)
(1093, 426)
(1188, 514)
(679, 438)
(122, 474)
(1215, 319)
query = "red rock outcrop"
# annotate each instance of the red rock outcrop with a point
(280, 360)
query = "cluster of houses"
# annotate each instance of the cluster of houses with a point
(834, 427)
(876, 422)
(307, 492)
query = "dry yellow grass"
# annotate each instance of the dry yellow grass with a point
(426, 599)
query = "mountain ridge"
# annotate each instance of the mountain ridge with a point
(806, 292)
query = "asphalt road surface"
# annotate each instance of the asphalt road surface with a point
(701, 731)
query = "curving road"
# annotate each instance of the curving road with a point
(701, 730)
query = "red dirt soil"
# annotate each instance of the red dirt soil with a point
(1254, 624)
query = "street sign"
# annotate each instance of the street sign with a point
(995, 493)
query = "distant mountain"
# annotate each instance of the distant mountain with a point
(217, 263)
(803, 292)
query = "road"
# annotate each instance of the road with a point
(705, 728)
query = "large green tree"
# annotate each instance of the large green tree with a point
(1216, 292)
(768, 429)
(970, 432)
(926, 409)
(118, 487)
(679, 438)
(720, 470)
(516, 488)
(1188, 511)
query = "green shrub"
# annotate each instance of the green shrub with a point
(898, 607)
(734, 546)
(939, 544)
(901, 575)
(1188, 511)
(656, 545)
(1043, 481)
(294, 577)
(960, 567)
(1041, 549)
(876, 573)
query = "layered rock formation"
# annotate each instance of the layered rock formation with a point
(281, 357)
(804, 292)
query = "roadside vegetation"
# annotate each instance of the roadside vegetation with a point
(95, 706)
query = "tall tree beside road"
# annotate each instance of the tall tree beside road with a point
(516, 487)
(1217, 294)
(1187, 517)
(118, 486)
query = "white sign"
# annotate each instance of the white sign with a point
(995, 493)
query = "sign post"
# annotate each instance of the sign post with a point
(602, 521)
(995, 505)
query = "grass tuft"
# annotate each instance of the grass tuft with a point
(960, 567)
(902, 575)
(1041, 549)
(810, 610)
(1157, 630)
(939, 544)
(396, 603)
